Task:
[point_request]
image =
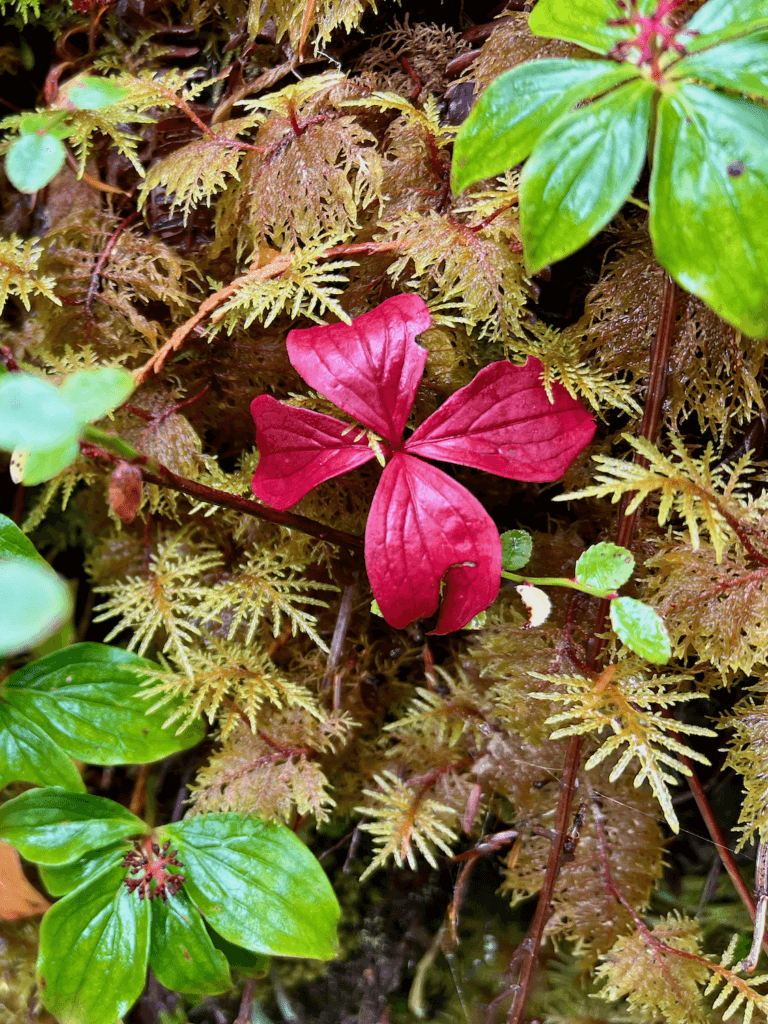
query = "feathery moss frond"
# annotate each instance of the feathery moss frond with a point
(624, 702)
(167, 597)
(19, 259)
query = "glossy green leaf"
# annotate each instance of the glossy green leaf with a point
(257, 885)
(181, 953)
(36, 602)
(91, 93)
(45, 463)
(87, 698)
(91, 394)
(28, 755)
(606, 567)
(53, 826)
(709, 201)
(581, 173)
(33, 414)
(243, 960)
(585, 22)
(723, 19)
(741, 64)
(516, 548)
(15, 543)
(518, 107)
(34, 160)
(94, 946)
(641, 629)
(59, 879)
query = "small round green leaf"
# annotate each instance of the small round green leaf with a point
(91, 394)
(53, 826)
(28, 755)
(641, 629)
(87, 697)
(181, 954)
(36, 602)
(516, 548)
(91, 93)
(606, 567)
(257, 885)
(94, 946)
(33, 414)
(34, 160)
(43, 464)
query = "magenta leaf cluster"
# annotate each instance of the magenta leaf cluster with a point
(429, 543)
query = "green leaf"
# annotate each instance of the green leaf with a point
(48, 121)
(723, 19)
(43, 464)
(585, 22)
(641, 629)
(33, 414)
(245, 962)
(181, 953)
(257, 885)
(52, 826)
(86, 697)
(36, 602)
(15, 543)
(709, 201)
(741, 64)
(519, 106)
(28, 755)
(94, 946)
(34, 160)
(91, 93)
(91, 394)
(59, 879)
(581, 172)
(516, 548)
(606, 567)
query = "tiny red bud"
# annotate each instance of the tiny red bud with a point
(125, 488)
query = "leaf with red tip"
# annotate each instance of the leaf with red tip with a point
(424, 529)
(300, 449)
(503, 422)
(370, 368)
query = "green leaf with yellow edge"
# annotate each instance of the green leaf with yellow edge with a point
(53, 826)
(605, 567)
(641, 629)
(257, 885)
(581, 173)
(181, 953)
(519, 106)
(94, 946)
(709, 201)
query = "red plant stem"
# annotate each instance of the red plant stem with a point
(93, 284)
(246, 1002)
(648, 429)
(163, 477)
(716, 834)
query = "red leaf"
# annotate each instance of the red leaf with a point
(503, 422)
(370, 369)
(421, 528)
(299, 449)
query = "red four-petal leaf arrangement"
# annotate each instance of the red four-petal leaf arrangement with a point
(428, 542)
